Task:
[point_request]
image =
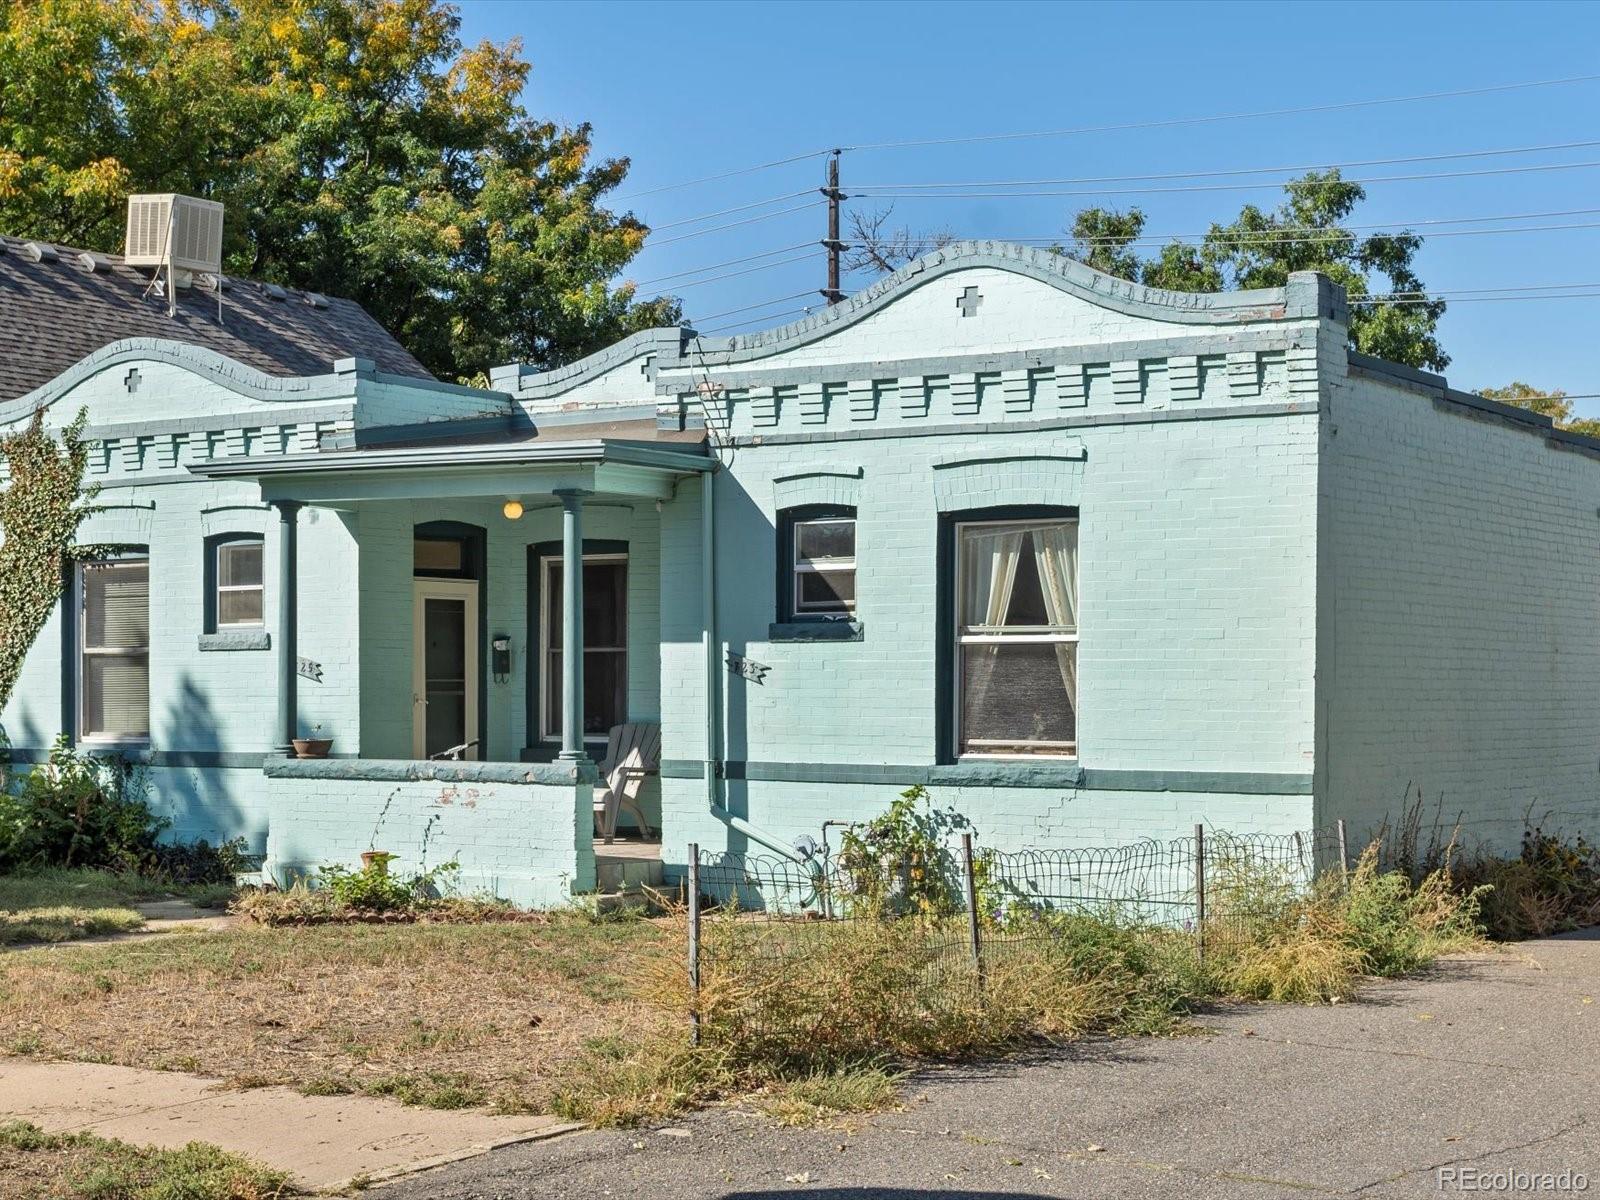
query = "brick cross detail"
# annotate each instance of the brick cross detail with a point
(968, 302)
(131, 380)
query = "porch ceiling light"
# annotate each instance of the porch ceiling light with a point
(512, 510)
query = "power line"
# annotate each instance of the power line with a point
(1483, 299)
(1266, 237)
(782, 212)
(764, 304)
(1278, 238)
(1237, 116)
(758, 320)
(1425, 295)
(1216, 187)
(1169, 122)
(740, 208)
(1369, 162)
(786, 262)
(669, 187)
(732, 262)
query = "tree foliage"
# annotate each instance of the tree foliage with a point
(1553, 404)
(361, 150)
(40, 510)
(1260, 249)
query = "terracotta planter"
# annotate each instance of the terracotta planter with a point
(312, 747)
(377, 858)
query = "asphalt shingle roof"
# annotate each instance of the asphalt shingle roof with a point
(54, 312)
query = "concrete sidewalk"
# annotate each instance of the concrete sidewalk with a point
(1484, 1065)
(325, 1142)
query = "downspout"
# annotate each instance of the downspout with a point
(713, 648)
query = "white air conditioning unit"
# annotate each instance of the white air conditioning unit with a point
(178, 232)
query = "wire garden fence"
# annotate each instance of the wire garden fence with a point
(941, 928)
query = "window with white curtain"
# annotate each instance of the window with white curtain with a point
(1016, 653)
(114, 650)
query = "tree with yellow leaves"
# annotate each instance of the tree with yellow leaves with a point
(360, 148)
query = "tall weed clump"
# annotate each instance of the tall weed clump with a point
(1277, 942)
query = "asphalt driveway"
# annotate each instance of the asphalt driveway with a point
(1484, 1067)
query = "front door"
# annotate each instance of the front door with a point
(444, 668)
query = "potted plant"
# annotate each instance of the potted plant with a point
(315, 746)
(377, 859)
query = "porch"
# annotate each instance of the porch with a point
(470, 735)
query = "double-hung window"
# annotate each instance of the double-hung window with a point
(605, 645)
(240, 597)
(1016, 633)
(114, 650)
(818, 567)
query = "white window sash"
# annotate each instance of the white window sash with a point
(234, 588)
(1002, 635)
(89, 651)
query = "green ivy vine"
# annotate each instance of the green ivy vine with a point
(41, 508)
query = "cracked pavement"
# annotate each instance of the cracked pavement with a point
(1488, 1063)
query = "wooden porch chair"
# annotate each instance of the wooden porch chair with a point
(633, 752)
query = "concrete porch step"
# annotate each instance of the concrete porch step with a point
(626, 867)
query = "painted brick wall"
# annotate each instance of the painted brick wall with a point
(1197, 593)
(1196, 580)
(1464, 586)
(528, 843)
(211, 700)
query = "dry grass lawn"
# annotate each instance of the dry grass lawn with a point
(39, 1166)
(442, 1015)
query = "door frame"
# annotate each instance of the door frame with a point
(465, 590)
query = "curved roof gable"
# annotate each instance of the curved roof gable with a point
(1307, 296)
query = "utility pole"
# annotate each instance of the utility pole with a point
(831, 293)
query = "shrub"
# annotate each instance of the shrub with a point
(76, 810)
(337, 894)
(898, 863)
(1551, 886)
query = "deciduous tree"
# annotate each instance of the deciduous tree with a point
(360, 147)
(1261, 249)
(1553, 404)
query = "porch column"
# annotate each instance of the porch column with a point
(572, 624)
(288, 653)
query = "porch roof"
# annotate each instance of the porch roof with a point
(509, 469)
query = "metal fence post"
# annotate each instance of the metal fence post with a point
(1344, 854)
(1200, 891)
(969, 886)
(694, 943)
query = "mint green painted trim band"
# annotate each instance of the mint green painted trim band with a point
(243, 760)
(399, 770)
(1006, 774)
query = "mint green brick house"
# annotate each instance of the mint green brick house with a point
(1092, 562)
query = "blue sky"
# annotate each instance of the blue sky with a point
(693, 89)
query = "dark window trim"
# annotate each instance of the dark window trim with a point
(788, 518)
(944, 664)
(212, 543)
(474, 541)
(537, 747)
